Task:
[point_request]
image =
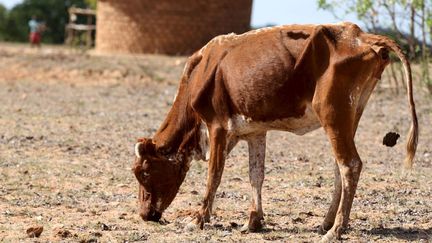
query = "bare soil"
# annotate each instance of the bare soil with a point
(68, 123)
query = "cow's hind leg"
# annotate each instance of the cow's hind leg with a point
(218, 140)
(350, 166)
(257, 147)
(339, 121)
(350, 169)
(331, 213)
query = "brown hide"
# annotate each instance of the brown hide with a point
(279, 70)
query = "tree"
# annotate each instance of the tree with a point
(52, 12)
(409, 22)
(403, 17)
(3, 15)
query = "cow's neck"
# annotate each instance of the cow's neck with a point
(179, 135)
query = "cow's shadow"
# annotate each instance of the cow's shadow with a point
(408, 234)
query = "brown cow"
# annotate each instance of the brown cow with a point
(293, 78)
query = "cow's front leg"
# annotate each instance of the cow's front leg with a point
(218, 137)
(257, 148)
(331, 214)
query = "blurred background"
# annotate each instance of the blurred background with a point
(120, 24)
(181, 27)
(14, 15)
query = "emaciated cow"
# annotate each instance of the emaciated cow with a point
(293, 78)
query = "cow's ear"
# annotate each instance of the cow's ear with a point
(144, 148)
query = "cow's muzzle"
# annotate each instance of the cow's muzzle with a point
(152, 215)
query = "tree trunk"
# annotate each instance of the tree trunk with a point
(412, 40)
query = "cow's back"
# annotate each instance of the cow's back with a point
(279, 66)
(271, 74)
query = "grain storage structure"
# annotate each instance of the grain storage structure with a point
(167, 26)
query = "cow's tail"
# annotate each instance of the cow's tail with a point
(414, 130)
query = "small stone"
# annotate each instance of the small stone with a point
(297, 220)
(190, 227)
(103, 226)
(64, 233)
(234, 224)
(97, 234)
(33, 232)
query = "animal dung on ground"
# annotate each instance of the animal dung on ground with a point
(33, 232)
(390, 139)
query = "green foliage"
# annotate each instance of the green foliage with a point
(91, 3)
(363, 7)
(51, 12)
(390, 16)
(323, 4)
(409, 22)
(3, 15)
(418, 4)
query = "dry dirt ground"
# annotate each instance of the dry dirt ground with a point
(68, 122)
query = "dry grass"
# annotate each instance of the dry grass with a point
(68, 122)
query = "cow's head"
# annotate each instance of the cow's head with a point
(159, 177)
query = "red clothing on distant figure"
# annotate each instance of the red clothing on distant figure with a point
(35, 37)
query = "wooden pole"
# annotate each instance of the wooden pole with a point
(89, 32)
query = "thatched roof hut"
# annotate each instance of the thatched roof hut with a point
(167, 26)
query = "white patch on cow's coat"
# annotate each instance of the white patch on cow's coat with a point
(257, 149)
(202, 152)
(242, 125)
(204, 142)
(137, 154)
(351, 99)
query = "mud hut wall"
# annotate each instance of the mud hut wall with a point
(167, 26)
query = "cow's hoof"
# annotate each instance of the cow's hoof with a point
(333, 235)
(322, 229)
(207, 218)
(255, 225)
(245, 228)
(329, 237)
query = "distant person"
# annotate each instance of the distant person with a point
(35, 35)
